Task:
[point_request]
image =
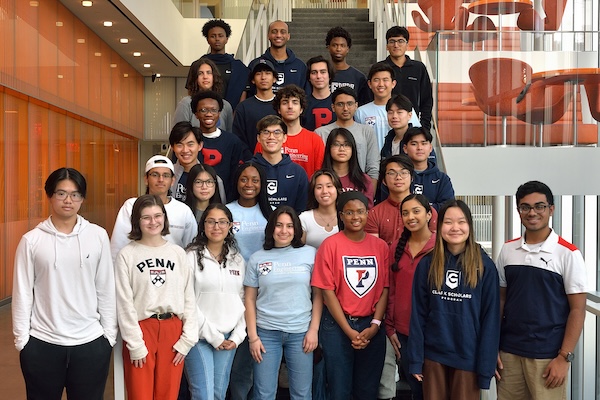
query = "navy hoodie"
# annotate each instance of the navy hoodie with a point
(434, 184)
(457, 326)
(290, 70)
(287, 182)
(234, 73)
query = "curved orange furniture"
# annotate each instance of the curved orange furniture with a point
(443, 15)
(530, 20)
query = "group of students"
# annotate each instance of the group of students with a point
(303, 248)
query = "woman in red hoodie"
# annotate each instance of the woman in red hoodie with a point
(415, 242)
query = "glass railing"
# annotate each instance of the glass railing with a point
(224, 9)
(515, 88)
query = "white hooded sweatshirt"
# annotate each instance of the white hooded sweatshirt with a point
(64, 286)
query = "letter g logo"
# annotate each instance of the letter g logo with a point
(452, 279)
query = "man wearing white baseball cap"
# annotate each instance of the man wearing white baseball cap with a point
(182, 223)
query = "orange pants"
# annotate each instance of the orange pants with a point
(159, 378)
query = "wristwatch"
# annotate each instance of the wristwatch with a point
(567, 355)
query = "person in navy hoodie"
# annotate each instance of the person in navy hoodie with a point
(428, 179)
(289, 68)
(287, 183)
(222, 150)
(233, 71)
(455, 318)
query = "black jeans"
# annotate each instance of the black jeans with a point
(49, 368)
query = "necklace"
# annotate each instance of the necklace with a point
(216, 257)
(327, 223)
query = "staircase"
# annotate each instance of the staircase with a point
(309, 27)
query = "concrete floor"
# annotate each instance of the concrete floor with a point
(13, 386)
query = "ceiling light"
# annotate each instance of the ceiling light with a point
(60, 76)
(113, 65)
(59, 23)
(137, 54)
(33, 3)
(81, 41)
(147, 65)
(124, 40)
(97, 54)
(125, 75)
(86, 3)
(107, 23)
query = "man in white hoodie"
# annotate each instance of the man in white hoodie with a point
(63, 301)
(159, 179)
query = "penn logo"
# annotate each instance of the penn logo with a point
(158, 277)
(360, 273)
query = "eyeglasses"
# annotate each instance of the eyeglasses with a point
(394, 174)
(208, 183)
(340, 145)
(342, 104)
(277, 133)
(222, 223)
(399, 42)
(207, 111)
(156, 175)
(351, 213)
(62, 195)
(539, 208)
(148, 218)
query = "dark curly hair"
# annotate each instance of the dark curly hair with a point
(290, 91)
(191, 83)
(216, 23)
(338, 31)
(201, 241)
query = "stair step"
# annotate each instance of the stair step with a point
(308, 38)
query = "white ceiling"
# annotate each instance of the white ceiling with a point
(125, 25)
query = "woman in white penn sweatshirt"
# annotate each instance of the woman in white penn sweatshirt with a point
(63, 302)
(219, 270)
(155, 304)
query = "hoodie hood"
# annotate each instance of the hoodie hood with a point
(258, 157)
(291, 57)
(220, 58)
(48, 227)
(432, 169)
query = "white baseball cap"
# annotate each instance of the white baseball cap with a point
(159, 162)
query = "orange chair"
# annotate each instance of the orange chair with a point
(592, 89)
(530, 20)
(502, 88)
(544, 105)
(479, 30)
(443, 15)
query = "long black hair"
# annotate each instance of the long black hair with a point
(200, 241)
(270, 228)
(406, 233)
(196, 170)
(355, 173)
(262, 198)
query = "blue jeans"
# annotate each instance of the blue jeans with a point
(207, 370)
(416, 387)
(241, 378)
(299, 365)
(351, 373)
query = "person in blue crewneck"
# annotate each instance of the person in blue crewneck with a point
(283, 313)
